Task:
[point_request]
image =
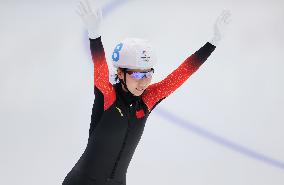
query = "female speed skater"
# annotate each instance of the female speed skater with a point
(120, 110)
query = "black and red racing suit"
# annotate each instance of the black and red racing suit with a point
(118, 119)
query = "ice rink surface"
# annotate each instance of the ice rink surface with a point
(224, 126)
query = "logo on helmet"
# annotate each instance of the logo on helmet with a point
(144, 56)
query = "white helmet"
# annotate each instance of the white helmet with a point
(134, 53)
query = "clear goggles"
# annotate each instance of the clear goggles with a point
(140, 75)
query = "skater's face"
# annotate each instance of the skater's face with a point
(135, 85)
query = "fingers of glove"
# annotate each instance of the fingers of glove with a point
(80, 9)
(225, 16)
(85, 9)
(96, 10)
(223, 19)
(99, 13)
(89, 6)
(219, 20)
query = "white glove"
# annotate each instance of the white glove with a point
(220, 26)
(91, 17)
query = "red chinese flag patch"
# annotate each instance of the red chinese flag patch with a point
(140, 113)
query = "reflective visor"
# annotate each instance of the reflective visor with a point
(140, 75)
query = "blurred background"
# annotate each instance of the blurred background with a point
(223, 126)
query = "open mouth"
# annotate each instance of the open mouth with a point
(139, 89)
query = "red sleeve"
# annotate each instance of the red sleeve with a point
(101, 72)
(160, 90)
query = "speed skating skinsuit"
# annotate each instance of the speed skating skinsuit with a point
(118, 119)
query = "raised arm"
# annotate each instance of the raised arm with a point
(101, 72)
(156, 92)
(92, 18)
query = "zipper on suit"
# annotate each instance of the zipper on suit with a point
(123, 144)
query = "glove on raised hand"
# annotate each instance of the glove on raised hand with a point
(91, 17)
(220, 26)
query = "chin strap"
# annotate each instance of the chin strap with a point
(124, 81)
